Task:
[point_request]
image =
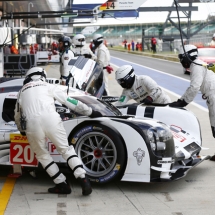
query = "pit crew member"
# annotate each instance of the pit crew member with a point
(103, 58)
(200, 79)
(81, 48)
(141, 88)
(65, 56)
(35, 116)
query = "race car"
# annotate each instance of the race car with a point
(116, 146)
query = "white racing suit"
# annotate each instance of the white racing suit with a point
(66, 56)
(103, 59)
(84, 50)
(143, 86)
(36, 102)
(204, 80)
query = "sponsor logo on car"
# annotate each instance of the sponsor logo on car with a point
(110, 175)
(178, 133)
(139, 154)
(165, 162)
(110, 99)
(97, 128)
(80, 133)
(18, 138)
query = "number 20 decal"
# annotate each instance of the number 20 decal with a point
(22, 154)
(28, 155)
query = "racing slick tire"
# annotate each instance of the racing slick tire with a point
(101, 150)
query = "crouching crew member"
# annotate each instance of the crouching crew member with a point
(141, 88)
(36, 117)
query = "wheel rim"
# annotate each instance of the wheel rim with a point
(97, 152)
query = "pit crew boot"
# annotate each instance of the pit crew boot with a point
(61, 188)
(86, 187)
(212, 158)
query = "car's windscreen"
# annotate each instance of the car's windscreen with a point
(206, 52)
(105, 108)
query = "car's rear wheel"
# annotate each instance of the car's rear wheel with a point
(101, 151)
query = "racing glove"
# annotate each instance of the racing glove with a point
(23, 133)
(178, 103)
(95, 114)
(87, 55)
(109, 69)
(148, 100)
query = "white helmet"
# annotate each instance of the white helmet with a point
(97, 39)
(35, 73)
(125, 76)
(190, 54)
(79, 40)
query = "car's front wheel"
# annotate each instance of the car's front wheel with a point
(101, 150)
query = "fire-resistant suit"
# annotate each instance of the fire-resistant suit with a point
(143, 86)
(103, 59)
(66, 56)
(85, 51)
(204, 80)
(36, 103)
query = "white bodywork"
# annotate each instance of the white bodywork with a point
(138, 163)
(183, 123)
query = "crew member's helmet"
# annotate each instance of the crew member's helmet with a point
(35, 73)
(97, 39)
(187, 57)
(125, 76)
(79, 40)
(65, 40)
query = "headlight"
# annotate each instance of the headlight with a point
(161, 141)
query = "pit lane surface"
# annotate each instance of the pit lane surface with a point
(169, 67)
(190, 195)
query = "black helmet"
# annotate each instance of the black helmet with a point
(190, 54)
(97, 39)
(65, 40)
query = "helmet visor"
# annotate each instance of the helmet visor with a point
(81, 40)
(126, 81)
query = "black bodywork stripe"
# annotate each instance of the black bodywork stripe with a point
(149, 112)
(132, 110)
